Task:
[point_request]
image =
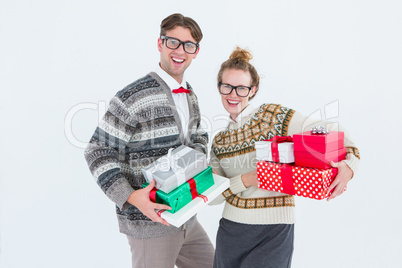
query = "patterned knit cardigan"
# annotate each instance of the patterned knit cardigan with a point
(233, 154)
(141, 124)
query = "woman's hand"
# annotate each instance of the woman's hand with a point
(344, 175)
(250, 179)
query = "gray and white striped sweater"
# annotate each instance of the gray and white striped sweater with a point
(140, 125)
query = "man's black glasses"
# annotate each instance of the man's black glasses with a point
(241, 91)
(174, 43)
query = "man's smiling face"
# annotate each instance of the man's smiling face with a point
(176, 61)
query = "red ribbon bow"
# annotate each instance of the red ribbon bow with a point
(181, 90)
(193, 190)
(274, 145)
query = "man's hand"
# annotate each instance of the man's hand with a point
(344, 175)
(140, 199)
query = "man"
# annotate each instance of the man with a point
(143, 121)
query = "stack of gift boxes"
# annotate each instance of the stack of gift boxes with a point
(300, 166)
(183, 181)
(180, 176)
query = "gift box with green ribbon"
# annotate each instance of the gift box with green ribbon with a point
(186, 192)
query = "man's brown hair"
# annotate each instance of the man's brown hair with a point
(178, 19)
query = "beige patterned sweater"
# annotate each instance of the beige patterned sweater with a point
(233, 154)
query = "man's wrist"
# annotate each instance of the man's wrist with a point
(132, 198)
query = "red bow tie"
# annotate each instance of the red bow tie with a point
(181, 90)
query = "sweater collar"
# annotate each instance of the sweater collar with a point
(245, 113)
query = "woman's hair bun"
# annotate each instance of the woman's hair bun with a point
(241, 54)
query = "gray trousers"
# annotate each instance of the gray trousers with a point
(186, 249)
(249, 245)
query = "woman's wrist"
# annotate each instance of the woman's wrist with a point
(250, 179)
(244, 180)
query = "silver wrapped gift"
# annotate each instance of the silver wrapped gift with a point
(175, 168)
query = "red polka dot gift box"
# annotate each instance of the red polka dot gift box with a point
(295, 180)
(317, 150)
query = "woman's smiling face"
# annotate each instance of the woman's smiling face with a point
(233, 103)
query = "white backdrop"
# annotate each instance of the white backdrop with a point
(62, 61)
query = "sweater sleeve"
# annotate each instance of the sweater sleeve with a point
(300, 123)
(199, 136)
(236, 184)
(106, 150)
(200, 140)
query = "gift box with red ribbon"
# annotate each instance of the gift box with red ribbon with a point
(277, 149)
(195, 205)
(175, 168)
(319, 160)
(186, 192)
(295, 180)
(316, 150)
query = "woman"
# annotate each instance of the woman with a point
(257, 226)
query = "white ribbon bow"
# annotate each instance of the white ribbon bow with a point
(170, 162)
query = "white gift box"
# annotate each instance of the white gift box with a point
(285, 150)
(175, 168)
(192, 208)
